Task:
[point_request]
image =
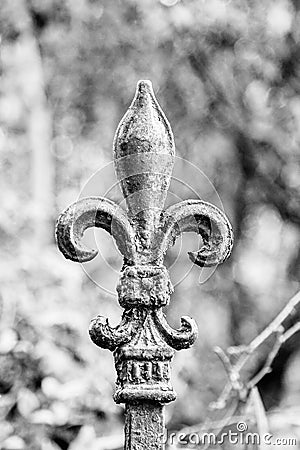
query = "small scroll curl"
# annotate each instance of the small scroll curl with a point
(105, 336)
(177, 339)
(93, 212)
(204, 219)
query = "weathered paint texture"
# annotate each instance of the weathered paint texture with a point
(144, 343)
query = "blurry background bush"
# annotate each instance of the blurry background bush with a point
(227, 74)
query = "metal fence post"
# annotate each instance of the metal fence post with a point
(144, 343)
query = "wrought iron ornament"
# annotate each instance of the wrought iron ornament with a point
(144, 343)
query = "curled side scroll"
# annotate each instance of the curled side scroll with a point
(204, 219)
(177, 339)
(93, 212)
(105, 336)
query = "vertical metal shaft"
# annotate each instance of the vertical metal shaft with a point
(144, 426)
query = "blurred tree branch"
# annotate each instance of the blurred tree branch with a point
(271, 187)
(236, 357)
(28, 65)
(239, 391)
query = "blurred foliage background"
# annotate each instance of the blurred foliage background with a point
(227, 75)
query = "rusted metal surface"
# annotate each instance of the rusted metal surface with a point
(144, 426)
(144, 343)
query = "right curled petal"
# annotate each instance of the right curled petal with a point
(184, 337)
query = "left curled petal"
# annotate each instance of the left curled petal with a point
(93, 212)
(105, 336)
(177, 339)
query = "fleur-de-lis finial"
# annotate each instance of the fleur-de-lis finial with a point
(143, 342)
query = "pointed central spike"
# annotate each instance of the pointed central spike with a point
(144, 92)
(144, 128)
(144, 153)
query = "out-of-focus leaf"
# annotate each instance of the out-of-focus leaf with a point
(42, 416)
(13, 443)
(51, 387)
(27, 402)
(86, 439)
(5, 430)
(60, 412)
(46, 444)
(8, 340)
